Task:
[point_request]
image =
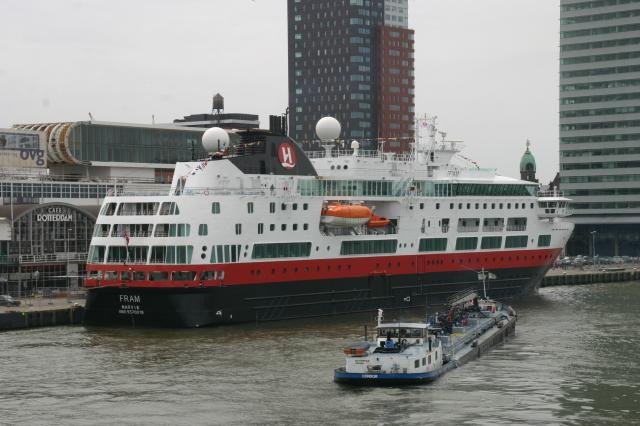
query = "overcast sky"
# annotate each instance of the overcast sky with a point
(487, 68)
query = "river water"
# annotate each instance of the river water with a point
(574, 360)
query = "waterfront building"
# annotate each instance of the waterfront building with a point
(600, 123)
(52, 183)
(352, 59)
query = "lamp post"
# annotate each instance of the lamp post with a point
(69, 230)
(593, 247)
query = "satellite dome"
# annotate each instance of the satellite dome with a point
(215, 139)
(328, 129)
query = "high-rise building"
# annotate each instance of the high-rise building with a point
(351, 59)
(600, 123)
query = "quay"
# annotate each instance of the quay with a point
(41, 313)
(588, 275)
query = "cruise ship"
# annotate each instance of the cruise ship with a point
(262, 230)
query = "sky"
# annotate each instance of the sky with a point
(488, 69)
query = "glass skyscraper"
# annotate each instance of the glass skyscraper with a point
(600, 123)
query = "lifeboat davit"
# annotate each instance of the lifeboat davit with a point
(345, 215)
(377, 221)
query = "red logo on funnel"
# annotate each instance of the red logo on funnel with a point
(286, 155)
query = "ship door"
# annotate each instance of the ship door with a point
(379, 285)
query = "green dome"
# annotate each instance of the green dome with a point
(528, 162)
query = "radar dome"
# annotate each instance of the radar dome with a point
(328, 129)
(215, 139)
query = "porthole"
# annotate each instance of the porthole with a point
(333, 167)
(204, 248)
(345, 167)
(202, 256)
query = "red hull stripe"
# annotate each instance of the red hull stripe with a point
(252, 273)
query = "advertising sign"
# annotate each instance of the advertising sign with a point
(21, 148)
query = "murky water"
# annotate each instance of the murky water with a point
(575, 360)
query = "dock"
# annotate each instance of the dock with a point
(589, 275)
(41, 313)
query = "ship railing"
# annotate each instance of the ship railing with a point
(468, 229)
(140, 234)
(492, 228)
(362, 153)
(445, 229)
(516, 227)
(52, 257)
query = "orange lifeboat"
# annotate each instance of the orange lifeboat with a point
(377, 221)
(345, 215)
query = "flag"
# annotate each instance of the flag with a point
(125, 235)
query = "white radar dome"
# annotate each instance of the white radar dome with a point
(328, 129)
(215, 139)
(355, 144)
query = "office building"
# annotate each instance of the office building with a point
(353, 60)
(600, 123)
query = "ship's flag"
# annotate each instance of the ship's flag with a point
(125, 235)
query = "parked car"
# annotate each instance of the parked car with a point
(6, 300)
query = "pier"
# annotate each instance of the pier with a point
(559, 276)
(41, 313)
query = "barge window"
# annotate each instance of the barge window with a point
(215, 207)
(544, 240)
(467, 243)
(280, 250)
(432, 244)
(515, 241)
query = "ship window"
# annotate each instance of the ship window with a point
(437, 206)
(416, 363)
(467, 243)
(516, 205)
(468, 206)
(158, 276)
(96, 254)
(272, 227)
(544, 240)
(215, 207)
(484, 206)
(305, 206)
(295, 206)
(109, 209)
(531, 205)
(260, 228)
(424, 361)
(138, 276)
(515, 241)
(501, 205)
(305, 226)
(238, 228)
(421, 206)
(203, 229)
(208, 275)
(432, 244)
(250, 207)
(283, 227)
(451, 206)
(272, 207)
(101, 230)
(183, 276)
(283, 206)
(493, 205)
(138, 209)
(508, 205)
(280, 250)
(459, 206)
(368, 247)
(169, 208)
(295, 226)
(127, 254)
(477, 206)
(429, 360)
(436, 355)
(488, 243)
(171, 254)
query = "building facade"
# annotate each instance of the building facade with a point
(600, 123)
(338, 51)
(48, 212)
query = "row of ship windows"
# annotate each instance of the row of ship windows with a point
(230, 253)
(220, 274)
(128, 231)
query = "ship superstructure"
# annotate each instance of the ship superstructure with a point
(261, 230)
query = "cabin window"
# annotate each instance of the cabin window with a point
(283, 227)
(280, 250)
(238, 228)
(139, 276)
(96, 254)
(272, 227)
(260, 228)
(437, 206)
(515, 241)
(215, 207)
(127, 254)
(250, 207)
(488, 243)
(294, 206)
(424, 361)
(272, 207)
(283, 206)
(429, 360)
(225, 253)
(416, 363)
(305, 226)
(295, 226)
(183, 276)
(158, 276)
(101, 230)
(138, 209)
(432, 244)
(203, 229)
(421, 206)
(305, 206)
(466, 243)
(208, 275)
(368, 247)
(108, 209)
(544, 240)
(168, 209)
(451, 206)
(171, 254)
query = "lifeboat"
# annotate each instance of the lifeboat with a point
(377, 221)
(345, 215)
(356, 349)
